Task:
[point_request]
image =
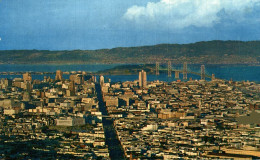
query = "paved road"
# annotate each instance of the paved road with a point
(114, 146)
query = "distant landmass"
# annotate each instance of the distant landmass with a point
(129, 69)
(210, 52)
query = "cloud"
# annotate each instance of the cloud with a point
(178, 14)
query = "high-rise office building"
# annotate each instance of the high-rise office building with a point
(213, 77)
(58, 75)
(27, 77)
(142, 79)
(77, 78)
(7, 82)
(94, 79)
(71, 91)
(101, 80)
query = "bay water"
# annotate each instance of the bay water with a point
(227, 72)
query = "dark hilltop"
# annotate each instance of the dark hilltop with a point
(211, 52)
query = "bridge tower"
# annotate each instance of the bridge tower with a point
(185, 70)
(169, 69)
(177, 74)
(202, 71)
(157, 68)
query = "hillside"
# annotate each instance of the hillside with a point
(211, 52)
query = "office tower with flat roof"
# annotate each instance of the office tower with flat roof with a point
(7, 82)
(142, 79)
(213, 77)
(71, 91)
(101, 80)
(27, 77)
(58, 76)
(77, 78)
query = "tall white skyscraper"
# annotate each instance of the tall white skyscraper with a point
(101, 80)
(142, 79)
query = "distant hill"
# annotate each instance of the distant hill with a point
(211, 52)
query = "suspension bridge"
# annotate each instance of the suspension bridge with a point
(185, 71)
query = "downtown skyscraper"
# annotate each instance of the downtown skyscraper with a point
(142, 79)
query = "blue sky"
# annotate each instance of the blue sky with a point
(96, 24)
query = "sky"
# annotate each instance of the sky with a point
(98, 24)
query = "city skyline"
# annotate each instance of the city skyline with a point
(69, 25)
(150, 79)
(69, 119)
